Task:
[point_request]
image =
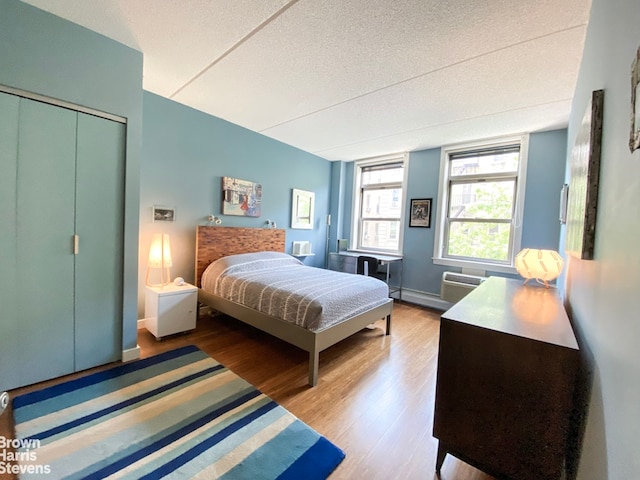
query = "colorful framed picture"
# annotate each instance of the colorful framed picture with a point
(420, 214)
(241, 197)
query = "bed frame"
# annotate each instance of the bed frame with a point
(216, 242)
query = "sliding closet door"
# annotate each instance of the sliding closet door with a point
(8, 287)
(45, 226)
(99, 225)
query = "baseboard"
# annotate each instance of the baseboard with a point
(425, 299)
(142, 323)
(131, 354)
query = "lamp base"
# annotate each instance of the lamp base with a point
(164, 280)
(541, 282)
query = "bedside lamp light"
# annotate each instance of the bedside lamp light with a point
(543, 265)
(160, 257)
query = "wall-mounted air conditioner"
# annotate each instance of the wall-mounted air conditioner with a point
(456, 285)
(301, 248)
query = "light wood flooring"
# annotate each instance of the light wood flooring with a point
(374, 398)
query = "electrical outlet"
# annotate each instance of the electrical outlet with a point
(4, 401)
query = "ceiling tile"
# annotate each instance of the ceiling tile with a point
(343, 78)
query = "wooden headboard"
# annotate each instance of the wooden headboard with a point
(213, 243)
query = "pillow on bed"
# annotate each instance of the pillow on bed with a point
(248, 260)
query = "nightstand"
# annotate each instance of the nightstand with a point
(170, 309)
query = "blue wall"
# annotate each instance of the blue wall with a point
(420, 273)
(177, 155)
(602, 294)
(43, 54)
(338, 193)
(541, 227)
(186, 152)
(545, 177)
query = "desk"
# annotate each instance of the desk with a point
(346, 261)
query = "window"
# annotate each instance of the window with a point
(481, 203)
(379, 204)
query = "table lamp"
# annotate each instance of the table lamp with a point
(160, 257)
(542, 265)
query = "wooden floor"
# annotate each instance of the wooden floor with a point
(374, 398)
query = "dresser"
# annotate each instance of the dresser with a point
(508, 366)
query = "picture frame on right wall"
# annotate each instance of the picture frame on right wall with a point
(582, 203)
(634, 139)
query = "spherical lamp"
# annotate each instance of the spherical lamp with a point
(543, 265)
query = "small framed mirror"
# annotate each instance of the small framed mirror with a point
(302, 209)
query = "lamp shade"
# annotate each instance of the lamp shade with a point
(543, 265)
(159, 257)
(160, 251)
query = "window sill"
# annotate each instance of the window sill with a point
(471, 265)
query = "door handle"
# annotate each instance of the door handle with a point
(76, 244)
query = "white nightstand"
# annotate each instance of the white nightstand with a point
(171, 309)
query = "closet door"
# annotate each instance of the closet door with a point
(45, 226)
(99, 224)
(9, 348)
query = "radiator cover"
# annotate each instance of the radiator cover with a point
(456, 286)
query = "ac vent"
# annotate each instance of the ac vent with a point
(455, 286)
(460, 278)
(301, 248)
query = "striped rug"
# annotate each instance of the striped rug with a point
(179, 414)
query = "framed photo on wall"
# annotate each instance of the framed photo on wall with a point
(163, 214)
(420, 214)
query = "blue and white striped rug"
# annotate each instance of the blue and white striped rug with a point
(178, 414)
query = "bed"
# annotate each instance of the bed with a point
(330, 307)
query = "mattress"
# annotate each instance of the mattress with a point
(279, 285)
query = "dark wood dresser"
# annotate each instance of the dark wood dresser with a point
(507, 372)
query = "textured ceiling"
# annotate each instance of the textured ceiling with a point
(349, 79)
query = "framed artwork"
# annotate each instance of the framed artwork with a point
(302, 209)
(241, 197)
(634, 139)
(164, 214)
(420, 215)
(582, 201)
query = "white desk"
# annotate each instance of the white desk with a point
(346, 261)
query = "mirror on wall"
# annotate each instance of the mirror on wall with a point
(302, 209)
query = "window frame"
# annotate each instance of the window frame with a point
(355, 242)
(480, 266)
